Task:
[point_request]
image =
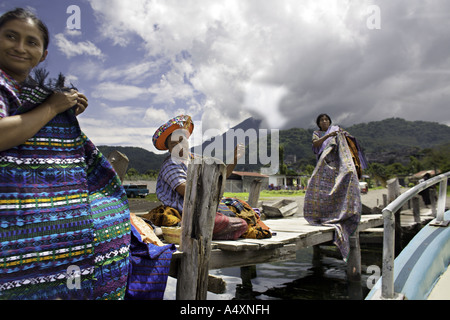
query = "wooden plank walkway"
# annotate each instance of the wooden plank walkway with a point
(292, 234)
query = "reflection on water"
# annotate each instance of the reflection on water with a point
(306, 278)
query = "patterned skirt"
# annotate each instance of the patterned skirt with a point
(71, 244)
(64, 217)
(333, 197)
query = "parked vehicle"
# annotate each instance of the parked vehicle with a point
(363, 187)
(135, 190)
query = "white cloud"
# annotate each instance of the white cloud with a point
(171, 87)
(71, 49)
(264, 100)
(289, 59)
(156, 117)
(119, 92)
(118, 126)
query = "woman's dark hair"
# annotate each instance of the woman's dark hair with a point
(320, 116)
(23, 14)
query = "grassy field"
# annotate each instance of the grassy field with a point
(266, 194)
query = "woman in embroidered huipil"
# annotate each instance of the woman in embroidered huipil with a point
(333, 197)
(64, 217)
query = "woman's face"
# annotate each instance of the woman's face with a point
(21, 48)
(324, 123)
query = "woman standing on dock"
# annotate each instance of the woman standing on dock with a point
(64, 217)
(333, 195)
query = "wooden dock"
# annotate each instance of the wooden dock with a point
(199, 253)
(206, 182)
(292, 234)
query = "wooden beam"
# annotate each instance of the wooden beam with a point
(226, 259)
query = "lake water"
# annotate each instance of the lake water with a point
(300, 279)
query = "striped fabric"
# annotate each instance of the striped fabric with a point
(8, 95)
(150, 265)
(172, 174)
(64, 218)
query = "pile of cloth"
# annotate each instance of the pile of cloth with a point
(234, 219)
(149, 263)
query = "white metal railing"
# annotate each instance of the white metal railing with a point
(387, 280)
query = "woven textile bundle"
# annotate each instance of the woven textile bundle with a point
(333, 197)
(64, 217)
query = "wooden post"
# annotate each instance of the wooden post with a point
(354, 259)
(249, 272)
(385, 202)
(255, 190)
(317, 261)
(393, 189)
(119, 161)
(432, 191)
(354, 268)
(204, 189)
(416, 209)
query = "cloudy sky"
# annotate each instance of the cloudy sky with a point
(141, 62)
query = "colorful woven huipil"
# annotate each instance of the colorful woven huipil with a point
(333, 197)
(64, 217)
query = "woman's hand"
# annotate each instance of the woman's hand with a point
(15, 130)
(332, 134)
(82, 104)
(62, 101)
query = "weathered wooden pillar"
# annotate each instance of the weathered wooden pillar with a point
(119, 161)
(249, 272)
(416, 209)
(432, 191)
(255, 190)
(354, 258)
(317, 261)
(204, 189)
(354, 267)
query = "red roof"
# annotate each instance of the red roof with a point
(249, 174)
(421, 174)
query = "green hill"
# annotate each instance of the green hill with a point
(384, 135)
(140, 159)
(382, 141)
(386, 141)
